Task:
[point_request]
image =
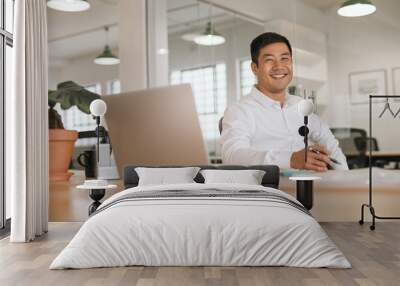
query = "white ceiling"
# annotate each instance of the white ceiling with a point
(65, 24)
(76, 34)
(73, 34)
(323, 4)
(189, 14)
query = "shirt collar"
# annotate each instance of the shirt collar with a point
(269, 102)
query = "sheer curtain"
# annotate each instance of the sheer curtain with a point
(27, 127)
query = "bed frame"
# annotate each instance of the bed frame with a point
(270, 179)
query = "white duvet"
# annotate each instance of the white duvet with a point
(193, 231)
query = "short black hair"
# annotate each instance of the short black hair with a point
(266, 39)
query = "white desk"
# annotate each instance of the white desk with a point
(96, 193)
(339, 195)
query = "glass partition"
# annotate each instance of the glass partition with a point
(337, 60)
(9, 16)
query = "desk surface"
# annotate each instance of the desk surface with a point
(338, 195)
(356, 179)
(378, 154)
(67, 203)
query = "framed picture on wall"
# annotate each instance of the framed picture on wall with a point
(362, 84)
(396, 80)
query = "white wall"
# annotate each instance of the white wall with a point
(363, 44)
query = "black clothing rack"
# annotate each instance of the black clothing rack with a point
(370, 204)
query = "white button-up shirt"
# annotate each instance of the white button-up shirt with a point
(257, 130)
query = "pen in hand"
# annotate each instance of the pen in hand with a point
(330, 158)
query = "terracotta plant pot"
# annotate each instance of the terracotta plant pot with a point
(61, 146)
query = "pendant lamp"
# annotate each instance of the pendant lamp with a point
(356, 8)
(210, 37)
(106, 57)
(69, 5)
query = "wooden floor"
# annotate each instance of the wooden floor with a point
(375, 257)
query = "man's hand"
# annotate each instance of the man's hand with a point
(317, 159)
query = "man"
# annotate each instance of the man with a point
(262, 128)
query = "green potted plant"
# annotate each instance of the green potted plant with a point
(61, 141)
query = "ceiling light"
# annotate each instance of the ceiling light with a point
(210, 37)
(356, 8)
(69, 5)
(106, 57)
(190, 36)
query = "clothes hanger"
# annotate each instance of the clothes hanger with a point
(397, 113)
(387, 107)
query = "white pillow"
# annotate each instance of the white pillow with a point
(163, 176)
(248, 177)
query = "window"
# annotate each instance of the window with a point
(247, 78)
(114, 86)
(209, 89)
(6, 45)
(75, 119)
(9, 13)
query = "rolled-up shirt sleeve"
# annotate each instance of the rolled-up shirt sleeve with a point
(238, 128)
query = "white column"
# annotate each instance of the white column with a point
(132, 45)
(158, 42)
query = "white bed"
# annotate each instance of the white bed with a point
(206, 230)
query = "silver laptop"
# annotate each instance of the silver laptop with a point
(157, 126)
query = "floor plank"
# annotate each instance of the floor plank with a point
(375, 256)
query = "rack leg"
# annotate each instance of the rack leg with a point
(361, 221)
(372, 210)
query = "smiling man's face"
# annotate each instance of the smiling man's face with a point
(274, 69)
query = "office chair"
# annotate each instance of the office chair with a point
(363, 143)
(374, 144)
(353, 142)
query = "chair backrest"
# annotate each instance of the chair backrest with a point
(351, 140)
(363, 143)
(220, 125)
(374, 144)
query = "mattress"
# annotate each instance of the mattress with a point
(201, 225)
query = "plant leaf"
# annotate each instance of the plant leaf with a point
(70, 94)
